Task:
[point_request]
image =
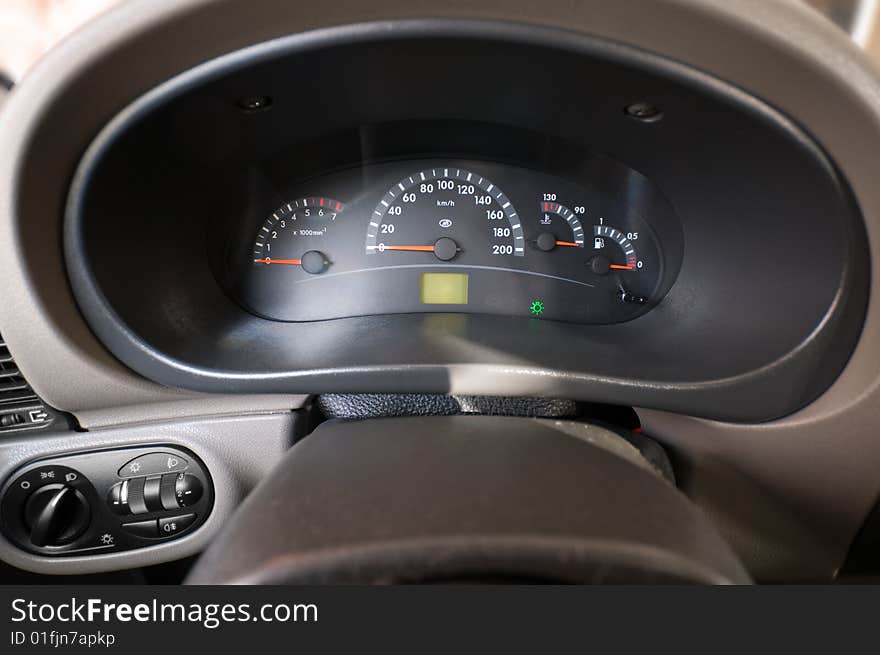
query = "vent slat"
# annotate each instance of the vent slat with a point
(9, 371)
(13, 387)
(20, 407)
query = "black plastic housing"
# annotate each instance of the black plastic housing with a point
(774, 272)
(94, 475)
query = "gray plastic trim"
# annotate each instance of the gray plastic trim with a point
(238, 452)
(204, 405)
(818, 468)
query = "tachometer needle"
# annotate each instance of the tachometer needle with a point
(294, 262)
(623, 268)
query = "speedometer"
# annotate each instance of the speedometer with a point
(444, 212)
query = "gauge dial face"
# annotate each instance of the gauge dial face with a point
(445, 211)
(550, 210)
(606, 233)
(297, 234)
(459, 236)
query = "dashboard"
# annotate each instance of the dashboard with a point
(607, 213)
(607, 223)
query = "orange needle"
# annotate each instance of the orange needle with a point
(624, 268)
(295, 262)
(568, 243)
(414, 248)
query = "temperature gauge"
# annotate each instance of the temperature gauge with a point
(549, 238)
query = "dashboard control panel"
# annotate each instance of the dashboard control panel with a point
(105, 501)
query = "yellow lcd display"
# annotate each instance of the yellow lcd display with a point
(444, 288)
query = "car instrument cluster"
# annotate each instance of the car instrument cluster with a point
(453, 236)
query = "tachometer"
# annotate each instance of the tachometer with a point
(296, 234)
(445, 211)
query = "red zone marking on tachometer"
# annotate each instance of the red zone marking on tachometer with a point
(322, 201)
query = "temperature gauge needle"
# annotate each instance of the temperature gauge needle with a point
(294, 262)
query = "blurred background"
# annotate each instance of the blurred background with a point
(28, 28)
(858, 17)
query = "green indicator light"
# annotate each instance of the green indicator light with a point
(537, 308)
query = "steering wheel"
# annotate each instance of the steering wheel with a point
(462, 499)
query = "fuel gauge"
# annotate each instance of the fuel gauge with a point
(622, 258)
(615, 253)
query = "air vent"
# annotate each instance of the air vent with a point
(13, 387)
(20, 407)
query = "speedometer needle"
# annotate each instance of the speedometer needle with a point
(412, 248)
(623, 268)
(444, 248)
(294, 262)
(570, 244)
